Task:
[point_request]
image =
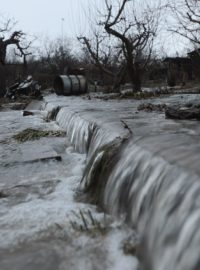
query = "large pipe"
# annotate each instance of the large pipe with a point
(70, 85)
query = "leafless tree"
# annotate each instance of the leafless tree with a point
(105, 56)
(186, 14)
(56, 55)
(133, 26)
(8, 37)
(16, 38)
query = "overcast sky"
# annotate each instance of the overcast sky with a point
(45, 17)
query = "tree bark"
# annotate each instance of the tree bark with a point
(134, 73)
(2, 80)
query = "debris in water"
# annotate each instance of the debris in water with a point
(182, 113)
(27, 113)
(149, 107)
(3, 195)
(131, 246)
(126, 126)
(35, 134)
(27, 87)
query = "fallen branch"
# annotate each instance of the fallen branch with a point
(126, 127)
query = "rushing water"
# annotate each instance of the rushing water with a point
(154, 184)
(43, 223)
(162, 202)
(148, 177)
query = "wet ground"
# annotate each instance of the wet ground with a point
(156, 181)
(42, 225)
(177, 141)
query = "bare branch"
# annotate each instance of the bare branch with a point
(95, 54)
(15, 38)
(187, 16)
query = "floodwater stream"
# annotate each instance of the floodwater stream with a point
(43, 223)
(151, 178)
(141, 168)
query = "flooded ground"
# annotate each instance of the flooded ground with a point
(154, 181)
(153, 184)
(42, 225)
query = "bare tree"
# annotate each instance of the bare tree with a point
(133, 28)
(14, 39)
(56, 55)
(187, 19)
(136, 34)
(11, 38)
(105, 56)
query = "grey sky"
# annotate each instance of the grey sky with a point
(44, 18)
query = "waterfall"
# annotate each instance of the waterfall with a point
(159, 199)
(162, 202)
(86, 136)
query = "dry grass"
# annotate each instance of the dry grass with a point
(35, 134)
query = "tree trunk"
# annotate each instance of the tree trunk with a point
(134, 76)
(119, 78)
(136, 82)
(2, 80)
(25, 68)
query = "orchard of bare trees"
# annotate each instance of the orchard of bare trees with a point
(123, 43)
(130, 28)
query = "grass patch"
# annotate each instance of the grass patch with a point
(35, 134)
(144, 95)
(85, 222)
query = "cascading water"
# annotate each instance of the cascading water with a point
(162, 202)
(159, 199)
(43, 223)
(85, 136)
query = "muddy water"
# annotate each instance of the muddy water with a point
(42, 225)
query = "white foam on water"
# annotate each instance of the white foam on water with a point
(118, 260)
(41, 200)
(28, 219)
